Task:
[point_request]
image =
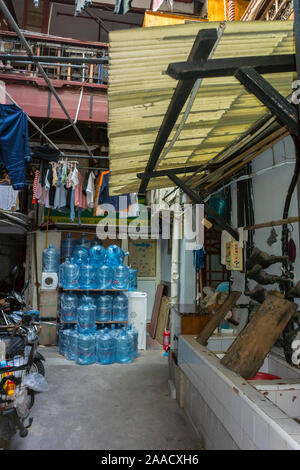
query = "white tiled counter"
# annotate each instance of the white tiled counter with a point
(227, 411)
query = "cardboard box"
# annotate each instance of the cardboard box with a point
(48, 334)
(48, 304)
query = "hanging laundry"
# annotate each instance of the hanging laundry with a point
(8, 197)
(46, 152)
(90, 190)
(80, 199)
(14, 147)
(85, 183)
(158, 3)
(34, 187)
(122, 7)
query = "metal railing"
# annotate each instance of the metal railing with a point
(55, 53)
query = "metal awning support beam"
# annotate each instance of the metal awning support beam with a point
(203, 45)
(208, 209)
(53, 59)
(25, 44)
(171, 171)
(279, 106)
(228, 67)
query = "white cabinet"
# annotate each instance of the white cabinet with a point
(137, 315)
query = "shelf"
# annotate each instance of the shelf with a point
(93, 290)
(96, 322)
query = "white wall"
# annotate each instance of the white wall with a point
(269, 190)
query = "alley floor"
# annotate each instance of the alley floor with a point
(107, 407)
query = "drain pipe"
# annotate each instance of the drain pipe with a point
(175, 251)
(17, 30)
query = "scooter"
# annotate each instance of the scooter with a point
(19, 331)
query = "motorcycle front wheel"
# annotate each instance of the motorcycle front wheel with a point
(37, 366)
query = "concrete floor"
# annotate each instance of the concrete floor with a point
(107, 407)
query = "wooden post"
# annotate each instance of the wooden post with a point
(247, 353)
(218, 317)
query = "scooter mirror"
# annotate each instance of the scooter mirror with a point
(14, 275)
(25, 287)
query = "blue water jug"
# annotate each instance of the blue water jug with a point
(68, 307)
(50, 260)
(67, 246)
(97, 255)
(80, 254)
(96, 241)
(87, 275)
(70, 274)
(82, 298)
(86, 347)
(120, 308)
(61, 274)
(84, 242)
(86, 314)
(134, 335)
(104, 304)
(132, 285)
(121, 277)
(71, 352)
(114, 255)
(104, 277)
(63, 341)
(105, 347)
(123, 347)
(115, 330)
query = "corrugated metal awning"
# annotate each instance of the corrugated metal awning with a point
(140, 91)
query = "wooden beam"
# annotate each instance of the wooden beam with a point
(216, 319)
(273, 223)
(219, 171)
(247, 353)
(233, 170)
(279, 106)
(229, 66)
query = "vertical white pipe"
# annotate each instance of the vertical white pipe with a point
(177, 220)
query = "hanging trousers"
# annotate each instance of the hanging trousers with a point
(14, 145)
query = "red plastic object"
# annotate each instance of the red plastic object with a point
(264, 376)
(166, 342)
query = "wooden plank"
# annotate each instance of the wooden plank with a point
(155, 310)
(247, 353)
(163, 318)
(218, 317)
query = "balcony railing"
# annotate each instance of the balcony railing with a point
(60, 48)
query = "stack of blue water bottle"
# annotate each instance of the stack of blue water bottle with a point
(89, 267)
(87, 345)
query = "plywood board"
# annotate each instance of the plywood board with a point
(163, 319)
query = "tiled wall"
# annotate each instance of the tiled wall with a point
(226, 410)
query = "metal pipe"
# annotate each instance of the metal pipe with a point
(53, 59)
(93, 157)
(16, 28)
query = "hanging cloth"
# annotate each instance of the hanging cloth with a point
(14, 146)
(122, 7)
